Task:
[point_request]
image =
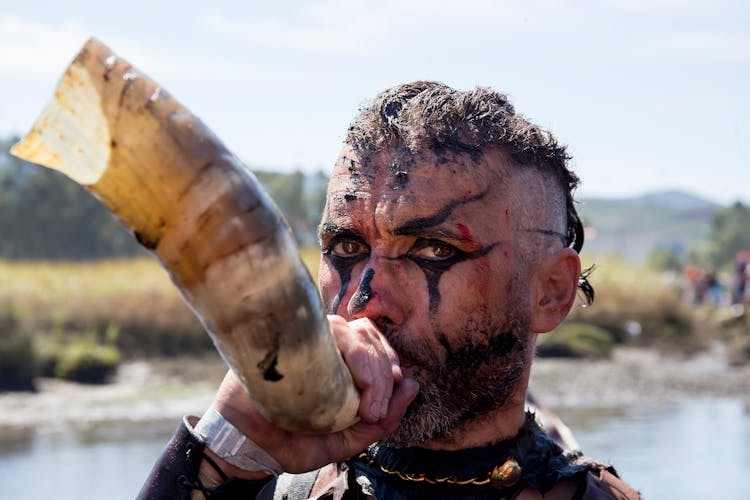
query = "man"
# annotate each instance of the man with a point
(449, 241)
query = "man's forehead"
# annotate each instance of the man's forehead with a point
(407, 194)
(409, 175)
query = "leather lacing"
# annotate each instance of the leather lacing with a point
(185, 483)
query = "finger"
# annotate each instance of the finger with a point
(403, 394)
(361, 348)
(353, 440)
(380, 359)
(353, 349)
(393, 358)
(387, 360)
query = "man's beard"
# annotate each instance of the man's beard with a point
(474, 379)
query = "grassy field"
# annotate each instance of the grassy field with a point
(633, 305)
(78, 320)
(67, 316)
(134, 295)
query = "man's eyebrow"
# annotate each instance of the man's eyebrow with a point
(330, 228)
(419, 225)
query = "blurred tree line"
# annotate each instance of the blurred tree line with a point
(45, 215)
(729, 233)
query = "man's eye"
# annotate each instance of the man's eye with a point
(433, 250)
(348, 248)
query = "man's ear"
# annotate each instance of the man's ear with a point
(556, 284)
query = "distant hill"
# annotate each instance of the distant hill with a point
(631, 227)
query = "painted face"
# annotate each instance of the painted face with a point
(423, 246)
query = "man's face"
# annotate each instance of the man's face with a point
(424, 247)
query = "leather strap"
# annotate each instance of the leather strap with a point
(227, 442)
(175, 473)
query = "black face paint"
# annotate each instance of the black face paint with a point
(433, 270)
(414, 226)
(363, 294)
(342, 265)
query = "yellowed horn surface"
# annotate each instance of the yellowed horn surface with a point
(202, 213)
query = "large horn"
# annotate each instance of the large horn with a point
(203, 214)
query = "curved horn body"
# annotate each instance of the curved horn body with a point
(202, 213)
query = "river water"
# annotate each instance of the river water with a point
(693, 449)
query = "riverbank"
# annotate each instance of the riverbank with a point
(636, 375)
(142, 391)
(165, 389)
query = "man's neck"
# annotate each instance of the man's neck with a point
(483, 430)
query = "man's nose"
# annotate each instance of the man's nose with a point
(376, 296)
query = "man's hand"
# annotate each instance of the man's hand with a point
(384, 397)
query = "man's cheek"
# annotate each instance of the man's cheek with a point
(466, 295)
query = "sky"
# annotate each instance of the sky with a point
(649, 95)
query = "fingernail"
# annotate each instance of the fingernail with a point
(413, 387)
(398, 375)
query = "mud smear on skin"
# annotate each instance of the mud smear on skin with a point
(400, 176)
(447, 154)
(359, 177)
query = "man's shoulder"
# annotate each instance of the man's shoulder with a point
(602, 480)
(605, 484)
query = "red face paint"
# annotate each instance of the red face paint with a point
(465, 233)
